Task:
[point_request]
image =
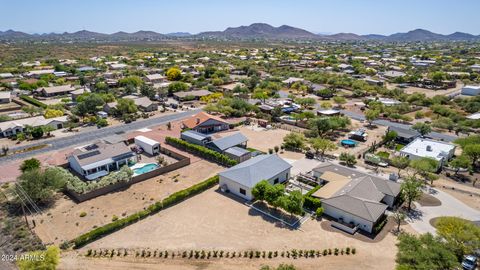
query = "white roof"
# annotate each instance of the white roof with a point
(328, 112)
(472, 86)
(5, 94)
(146, 140)
(474, 116)
(155, 76)
(41, 72)
(428, 148)
(31, 121)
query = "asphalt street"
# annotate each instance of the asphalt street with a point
(433, 135)
(92, 135)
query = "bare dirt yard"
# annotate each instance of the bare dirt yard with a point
(213, 220)
(465, 193)
(63, 222)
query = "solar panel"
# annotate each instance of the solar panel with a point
(91, 147)
(89, 154)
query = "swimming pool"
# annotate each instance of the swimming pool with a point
(349, 143)
(144, 168)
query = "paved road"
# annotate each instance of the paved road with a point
(433, 135)
(421, 216)
(92, 135)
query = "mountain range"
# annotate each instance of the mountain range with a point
(260, 31)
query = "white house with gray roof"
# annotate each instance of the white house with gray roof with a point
(97, 160)
(241, 178)
(360, 201)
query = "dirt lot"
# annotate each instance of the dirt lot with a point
(212, 220)
(63, 221)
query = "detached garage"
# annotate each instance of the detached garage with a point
(240, 179)
(148, 145)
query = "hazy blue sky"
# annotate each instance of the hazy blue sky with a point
(357, 16)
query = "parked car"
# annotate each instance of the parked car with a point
(469, 262)
(309, 155)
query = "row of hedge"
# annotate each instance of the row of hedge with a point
(152, 209)
(201, 151)
(34, 101)
(312, 203)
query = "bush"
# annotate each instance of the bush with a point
(34, 101)
(152, 209)
(312, 203)
(76, 185)
(82, 214)
(319, 212)
(201, 151)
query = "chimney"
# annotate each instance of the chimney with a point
(429, 148)
(198, 121)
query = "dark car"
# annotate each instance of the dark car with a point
(309, 155)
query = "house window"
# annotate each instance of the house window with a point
(243, 192)
(275, 181)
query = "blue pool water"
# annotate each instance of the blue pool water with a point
(348, 142)
(146, 168)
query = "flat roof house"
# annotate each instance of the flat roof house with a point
(205, 123)
(421, 147)
(241, 178)
(5, 97)
(99, 159)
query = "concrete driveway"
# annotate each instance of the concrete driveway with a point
(421, 216)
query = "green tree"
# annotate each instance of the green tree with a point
(399, 217)
(422, 128)
(132, 81)
(273, 192)
(348, 159)
(473, 152)
(125, 106)
(425, 167)
(462, 236)
(148, 91)
(424, 252)
(40, 185)
(44, 260)
(295, 203)
(177, 87)
(258, 191)
(371, 115)
(37, 132)
(294, 141)
(411, 190)
(321, 145)
(30, 164)
(174, 74)
(460, 162)
(390, 137)
(400, 163)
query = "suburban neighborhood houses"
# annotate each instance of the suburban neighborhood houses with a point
(256, 147)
